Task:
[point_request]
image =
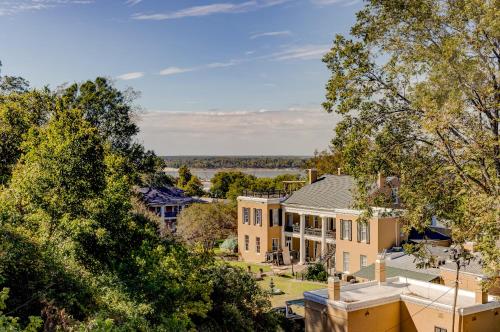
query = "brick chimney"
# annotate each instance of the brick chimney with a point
(481, 295)
(380, 269)
(380, 180)
(313, 175)
(334, 288)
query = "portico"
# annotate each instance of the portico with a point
(315, 226)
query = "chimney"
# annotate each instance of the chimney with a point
(380, 269)
(334, 288)
(481, 295)
(339, 171)
(380, 180)
(313, 175)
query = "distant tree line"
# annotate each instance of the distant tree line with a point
(213, 162)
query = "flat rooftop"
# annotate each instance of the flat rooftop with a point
(369, 294)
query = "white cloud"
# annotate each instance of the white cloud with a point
(294, 131)
(212, 9)
(178, 70)
(271, 34)
(133, 2)
(344, 3)
(18, 6)
(130, 76)
(304, 52)
(175, 70)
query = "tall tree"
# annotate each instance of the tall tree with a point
(204, 224)
(184, 176)
(12, 84)
(18, 114)
(419, 91)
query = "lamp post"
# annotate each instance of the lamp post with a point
(462, 258)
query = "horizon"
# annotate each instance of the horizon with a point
(206, 70)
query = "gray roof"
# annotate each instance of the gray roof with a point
(165, 196)
(368, 272)
(329, 192)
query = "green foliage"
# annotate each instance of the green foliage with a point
(76, 245)
(19, 113)
(316, 272)
(417, 89)
(194, 187)
(326, 162)
(238, 304)
(204, 224)
(184, 176)
(232, 184)
(10, 324)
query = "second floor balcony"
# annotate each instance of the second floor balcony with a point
(310, 231)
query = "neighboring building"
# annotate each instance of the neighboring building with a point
(318, 221)
(398, 304)
(166, 202)
(443, 272)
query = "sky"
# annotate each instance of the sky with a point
(216, 77)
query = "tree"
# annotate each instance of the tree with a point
(238, 303)
(222, 181)
(194, 187)
(106, 108)
(326, 162)
(418, 90)
(12, 84)
(18, 114)
(184, 176)
(206, 223)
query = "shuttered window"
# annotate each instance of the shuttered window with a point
(346, 229)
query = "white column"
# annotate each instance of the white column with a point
(324, 221)
(162, 212)
(302, 259)
(283, 224)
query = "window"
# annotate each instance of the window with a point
(439, 329)
(288, 242)
(257, 245)
(395, 195)
(345, 261)
(331, 224)
(364, 232)
(346, 229)
(257, 217)
(247, 242)
(362, 261)
(276, 243)
(274, 217)
(246, 216)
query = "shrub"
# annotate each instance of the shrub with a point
(316, 272)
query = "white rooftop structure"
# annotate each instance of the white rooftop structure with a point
(364, 295)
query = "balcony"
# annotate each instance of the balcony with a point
(171, 214)
(310, 231)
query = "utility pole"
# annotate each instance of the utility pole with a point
(462, 258)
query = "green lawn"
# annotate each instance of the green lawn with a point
(293, 289)
(255, 267)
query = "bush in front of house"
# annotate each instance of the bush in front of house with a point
(316, 272)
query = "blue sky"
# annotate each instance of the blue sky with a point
(215, 76)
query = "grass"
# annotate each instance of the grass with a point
(254, 267)
(293, 289)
